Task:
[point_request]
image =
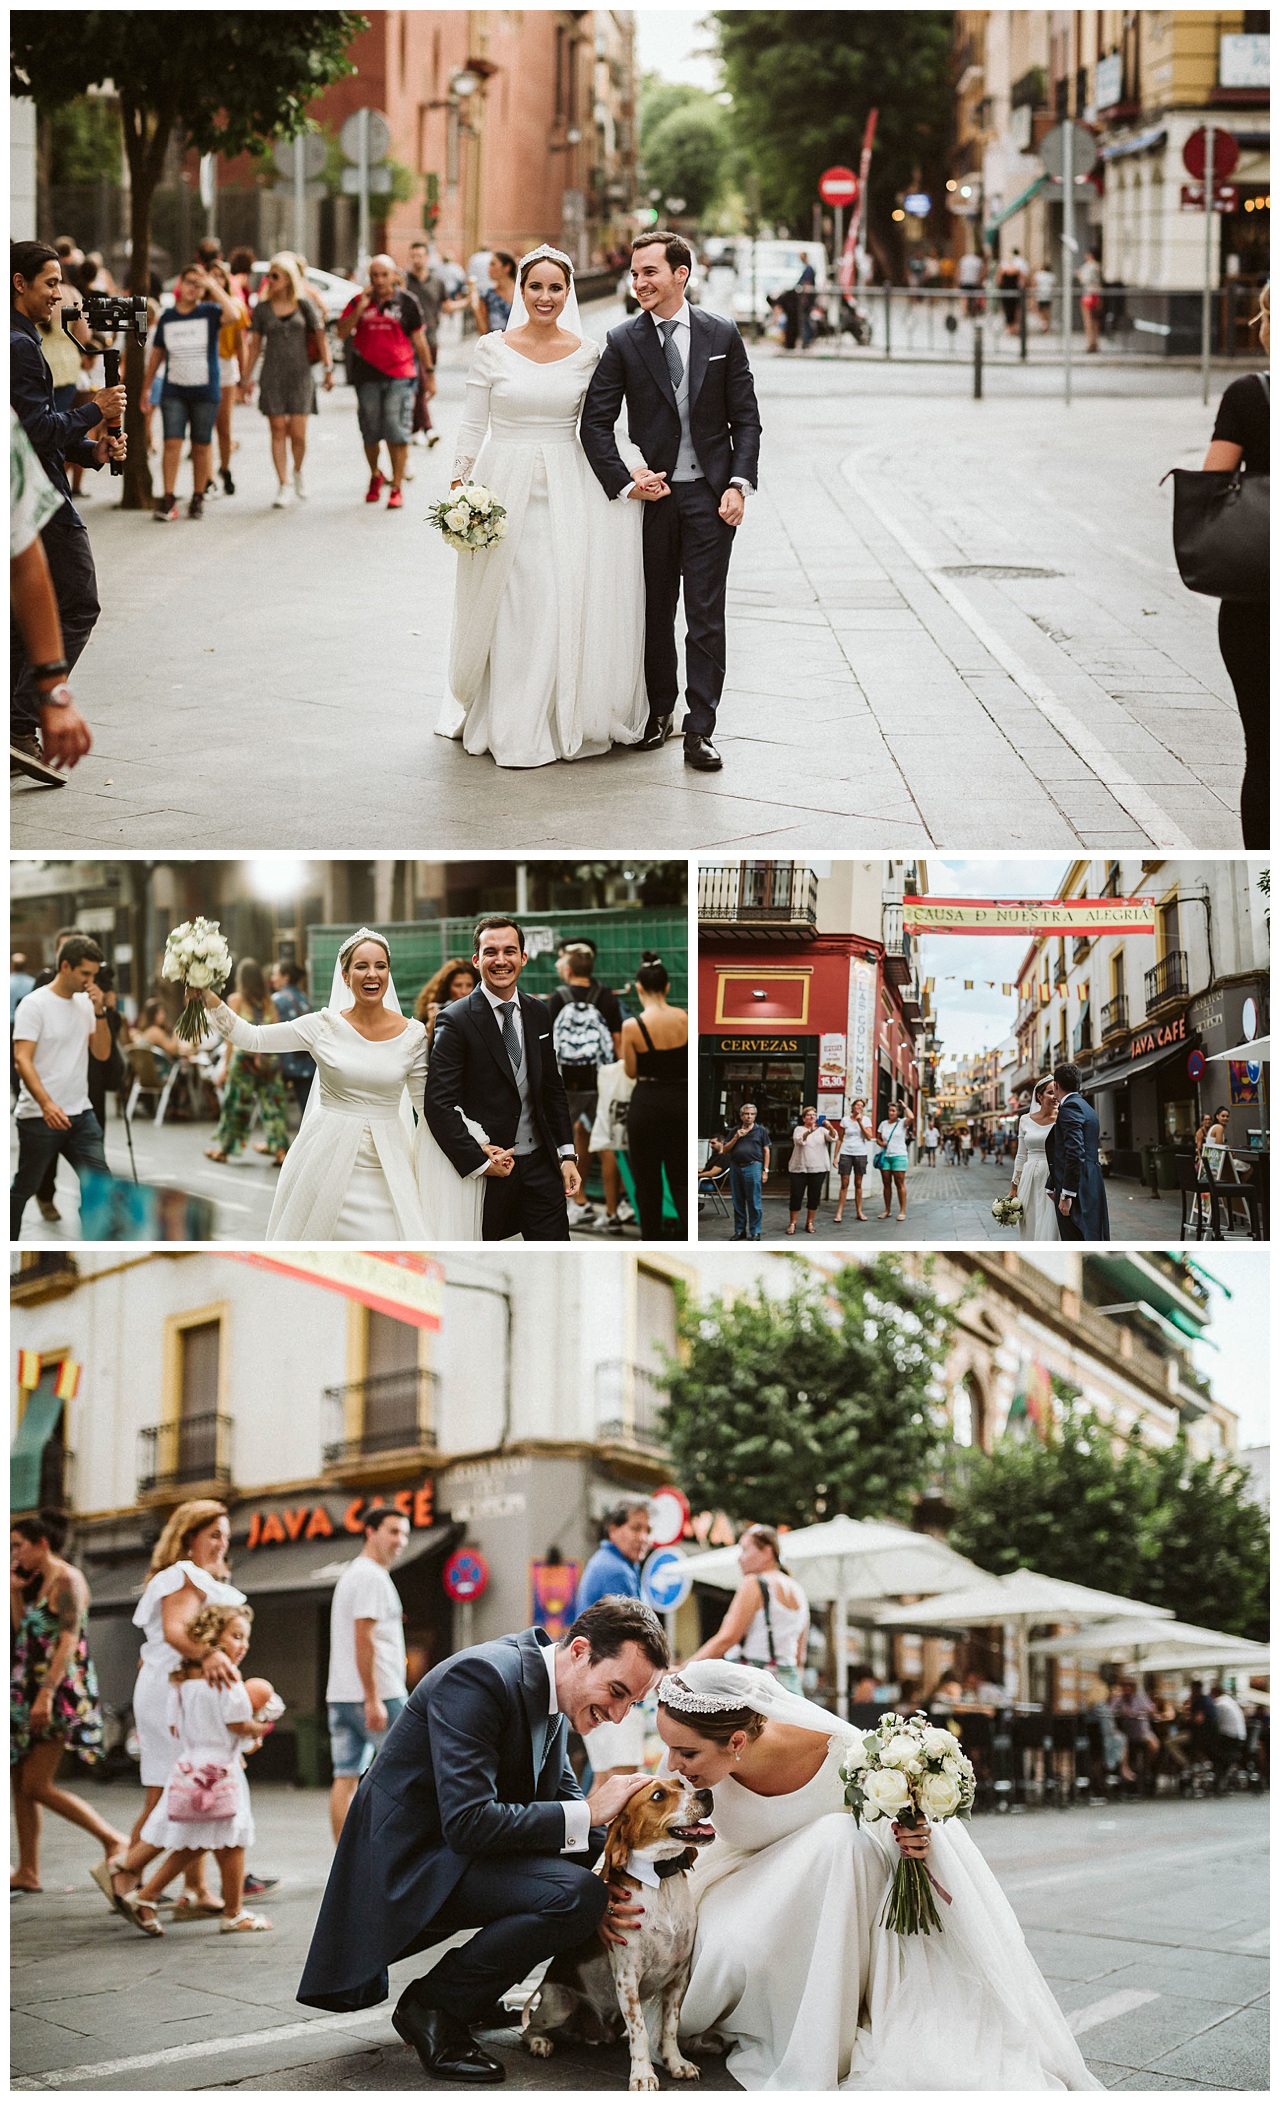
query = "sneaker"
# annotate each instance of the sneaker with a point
(374, 490)
(299, 486)
(195, 509)
(283, 497)
(581, 1214)
(211, 489)
(433, 438)
(395, 501)
(258, 1885)
(228, 486)
(166, 511)
(610, 1225)
(625, 1212)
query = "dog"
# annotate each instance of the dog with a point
(593, 1994)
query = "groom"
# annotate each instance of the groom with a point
(1075, 1172)
(492, 1057)
(470, 1816)
(691, 409)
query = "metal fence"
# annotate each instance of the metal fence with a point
(939, 323)
(419, 947)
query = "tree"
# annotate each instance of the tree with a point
(222, 82)
(790, 1410)
(1205, 1544)
(803, 85)
(686, 155)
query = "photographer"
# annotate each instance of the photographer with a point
(37, 691)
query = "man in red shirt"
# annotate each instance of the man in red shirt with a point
(388, 344)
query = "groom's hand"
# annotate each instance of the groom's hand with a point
(733, 506)
(572, 1180)
(501, 1160)
(649, 487)
(1064, 1205)
(610, 1796)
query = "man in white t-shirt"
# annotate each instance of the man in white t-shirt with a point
(367, 1686)
(56, 1030)
(931, 1145)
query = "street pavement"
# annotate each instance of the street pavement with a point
(943, 1203)
(951, 622)
(1149, 1920)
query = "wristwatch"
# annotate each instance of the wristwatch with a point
(57, 667)
(60, 696)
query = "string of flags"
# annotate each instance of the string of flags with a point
(969, 984)
(1041, 992)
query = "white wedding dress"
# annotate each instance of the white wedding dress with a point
(1039, 1219)
(792, 1969)
(546, 659)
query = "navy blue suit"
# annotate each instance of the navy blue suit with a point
(458, 1823)
(1071, 1150)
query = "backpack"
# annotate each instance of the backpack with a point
(580, 1035)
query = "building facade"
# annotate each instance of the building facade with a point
(809, 992)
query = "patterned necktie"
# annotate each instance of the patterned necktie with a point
(675, 363)
(509, 1036)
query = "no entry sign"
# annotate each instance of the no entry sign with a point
(465, 1576)
(838, 186)
(1225, 154)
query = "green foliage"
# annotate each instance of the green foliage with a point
(687, 155)
(794, 1409)
(659, 98)
(1157, 1526)
(82, 141)
(803, 85)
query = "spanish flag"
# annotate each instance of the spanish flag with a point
(67, 1384)
(28, 1370)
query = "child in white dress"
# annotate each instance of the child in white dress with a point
(205, 1803)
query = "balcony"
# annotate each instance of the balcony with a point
(1031, 90)
(1115, 1017)
(629, 1406)
(899, 965)
(1168, 982)
(1082, 1037)
(190, 1454)
(394, 1409)
(1046, 1061)
(1080, 947)
(748, 899)
(1059, 975)
(34, 1278)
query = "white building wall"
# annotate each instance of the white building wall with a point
(22, 169)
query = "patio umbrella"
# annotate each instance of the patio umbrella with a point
(1256, 1053)
(850, 1561)
(1136, 1640)
(1024, 1597)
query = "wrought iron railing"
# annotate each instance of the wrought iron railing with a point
(394, 1412)
(779, 893)
(1115, 1016)
(1168, 981)
(194, 1448)
(630, 1406)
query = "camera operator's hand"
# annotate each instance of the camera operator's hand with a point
(64, 733)
(111, 403)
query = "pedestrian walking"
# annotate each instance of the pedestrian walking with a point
(232, 362)
(853, 1158)
(749, 1156)
(966, 1147)
(384, 326)
(970, 275)
(1044, 283)
(297, 1068)
(492, 304)
(455, 979)
(250, 1079)
(367, 1684)
(1011, 278)
(1134, 1714)
(1089, 277)
(768, 1622)
(1242, 440)
(812, 1141)
(931, 1141)
(204, 1807)
(56, 1030)
(427, 286)
(288, 332)
(614, 1572)
(655, 1054)
(586, 1035)
(53, 1691)
(186, 344)
(893, 1159)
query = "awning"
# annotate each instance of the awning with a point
(1117, 1075)
(1032, 190)
(300, 1566)
(39, 1421)
(1145, 142)
(1256, 1053)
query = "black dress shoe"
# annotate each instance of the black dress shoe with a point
(445, 2045)
(657, 732)
(700, 753)
(496, 2016)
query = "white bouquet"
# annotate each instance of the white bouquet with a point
(470, 518)
(915, 1774)
(197, 958)
(1007, 1211)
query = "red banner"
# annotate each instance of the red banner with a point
(1023, 916)
(407, 1287)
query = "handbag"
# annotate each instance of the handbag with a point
(200, 1794)
(1222, 530)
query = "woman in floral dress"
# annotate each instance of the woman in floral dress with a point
(53, 1692)
(253, 1078)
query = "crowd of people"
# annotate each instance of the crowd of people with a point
(622, 1073)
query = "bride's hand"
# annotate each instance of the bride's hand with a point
(913, 1845)
(211, 999)
(501, 1160)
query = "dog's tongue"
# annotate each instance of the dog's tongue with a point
(696, 1834)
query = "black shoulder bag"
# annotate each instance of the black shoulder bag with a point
(1222, 529)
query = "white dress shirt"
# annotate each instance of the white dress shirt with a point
(577, 1816)
(682, 337)
(565, 1152)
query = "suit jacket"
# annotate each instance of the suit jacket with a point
(469, 1069)
(724, 421)
(1071, 1151)
(474, 1767)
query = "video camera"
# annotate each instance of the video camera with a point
(109, 313)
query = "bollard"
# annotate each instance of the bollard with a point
(977, 360)
(1022, 325)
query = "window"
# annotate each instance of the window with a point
(655, 1319)
(967, 1413)
(391, 1381)
(200, 1354)
(1169, 940)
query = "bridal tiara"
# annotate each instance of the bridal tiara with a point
(545, 253)
(681, 1698)
(364, 933)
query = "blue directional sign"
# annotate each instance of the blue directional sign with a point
(664, 1584)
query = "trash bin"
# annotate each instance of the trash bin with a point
(311, 1736)
(1149, 1168)
(1166, 1167)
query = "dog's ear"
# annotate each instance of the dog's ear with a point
(688, 1858)
(617, 1845)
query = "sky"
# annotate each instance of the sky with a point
(1239, 1369)
(669, 41)
(977, 1021)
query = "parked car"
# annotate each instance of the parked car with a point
(766, 269)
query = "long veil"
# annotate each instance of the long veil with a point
(341, 997)
(570, 319)
(713, 1686)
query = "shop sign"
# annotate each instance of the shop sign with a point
(862, 1026)
(830, 1105)
(831, 1060)
(553, 1586)
(1053, 915)
(773, 1046)
(407, 1287)
(1244, 1082)
(329, 1519)
(1162, 1038)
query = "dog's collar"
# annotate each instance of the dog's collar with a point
(653, 1872)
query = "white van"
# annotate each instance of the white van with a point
(766, 269)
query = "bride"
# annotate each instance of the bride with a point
(358, 1170)
(791, 1967)
(547, 654)
(1030, 1182)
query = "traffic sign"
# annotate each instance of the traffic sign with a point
(1225, 197)
(379, 182)
(1053, 151)
(1195, 1065)
(1249, 1020)
(465, 1576)
(664, 1585)
(379, 137)
(1225, 154)
(838, 186)
(315, 153)
(668, 1516)
(1254, 1070)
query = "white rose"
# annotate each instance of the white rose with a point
(903, 1751)
(940, 1794)
(499, 527)
(938, 1743)
(482, 501)
(855, 1758)
(456, 519)
(888, 1790)
(199, 975)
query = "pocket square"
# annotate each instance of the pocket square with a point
(719, 357)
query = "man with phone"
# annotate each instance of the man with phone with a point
(56, 1030)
